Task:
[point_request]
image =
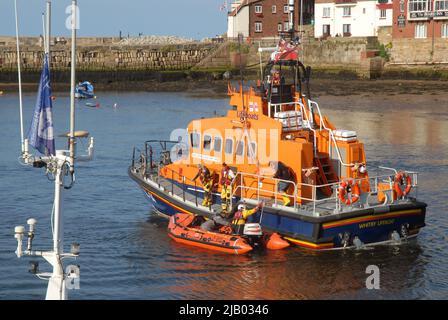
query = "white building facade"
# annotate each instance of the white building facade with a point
(238, 19)
(351, 18)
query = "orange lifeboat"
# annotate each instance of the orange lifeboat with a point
(184, 228)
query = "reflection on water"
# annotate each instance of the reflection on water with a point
(287, 274)
(126, 253)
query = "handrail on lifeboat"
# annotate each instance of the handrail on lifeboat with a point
(330, 131)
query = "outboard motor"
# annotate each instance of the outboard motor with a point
(253, 233)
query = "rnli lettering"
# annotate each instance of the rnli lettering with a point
(245, 115)
(376, 223)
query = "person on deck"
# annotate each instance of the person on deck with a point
(207, 182)
(227, 176)
(240, 217)
(283, 173)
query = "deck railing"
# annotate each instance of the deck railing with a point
(317, 205)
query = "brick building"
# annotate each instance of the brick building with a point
(265, 18)
(347, 18)
(420, 19)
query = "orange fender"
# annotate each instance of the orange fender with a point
(276, 242)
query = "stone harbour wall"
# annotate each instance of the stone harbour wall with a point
(419, 51)
(109, 57)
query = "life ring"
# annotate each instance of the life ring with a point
(349, 186)
(398, 181)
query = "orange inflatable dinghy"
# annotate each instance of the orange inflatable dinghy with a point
(185, 228)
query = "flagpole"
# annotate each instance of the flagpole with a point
(19, 72)
(72, 92)
(48, 31)
(44, 32)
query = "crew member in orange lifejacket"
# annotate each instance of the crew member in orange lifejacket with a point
(207, 182)
(227, 176)
(240, 217)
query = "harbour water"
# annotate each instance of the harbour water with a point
(125, 250)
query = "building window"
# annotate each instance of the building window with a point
(279, 27)
(347, 30)
(420, 30)
(445, 30)
(364, 10)
(326, 29)
(383, 14)
(285, 26)
(441, 5)
(274, 9)
(326, 13)
(418, 5)
(401, 6)
(347, 12)
(258, 9)
(258, 27)
(285, 8)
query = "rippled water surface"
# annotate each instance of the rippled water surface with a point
(126, 253)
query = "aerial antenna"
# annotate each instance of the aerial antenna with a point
(291, 17)
(19, 74)
(240, 38)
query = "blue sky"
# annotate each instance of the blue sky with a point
(187, 18)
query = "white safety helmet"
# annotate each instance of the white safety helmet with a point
(241, 207)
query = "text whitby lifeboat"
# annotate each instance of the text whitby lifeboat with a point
(318, 188)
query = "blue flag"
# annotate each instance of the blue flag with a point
(41, 135)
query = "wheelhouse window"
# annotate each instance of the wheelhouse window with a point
(418, 5)
(258, 9)
(240, 148)
(252, 150)
(347, 11)
(258, 27)
(229, 146)
(326, 12)
(195, 139)
(274, 9)
(218, 144)
(420, 30)
(207, 144)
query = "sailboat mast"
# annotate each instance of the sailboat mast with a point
(72, 92)
(19, 71)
